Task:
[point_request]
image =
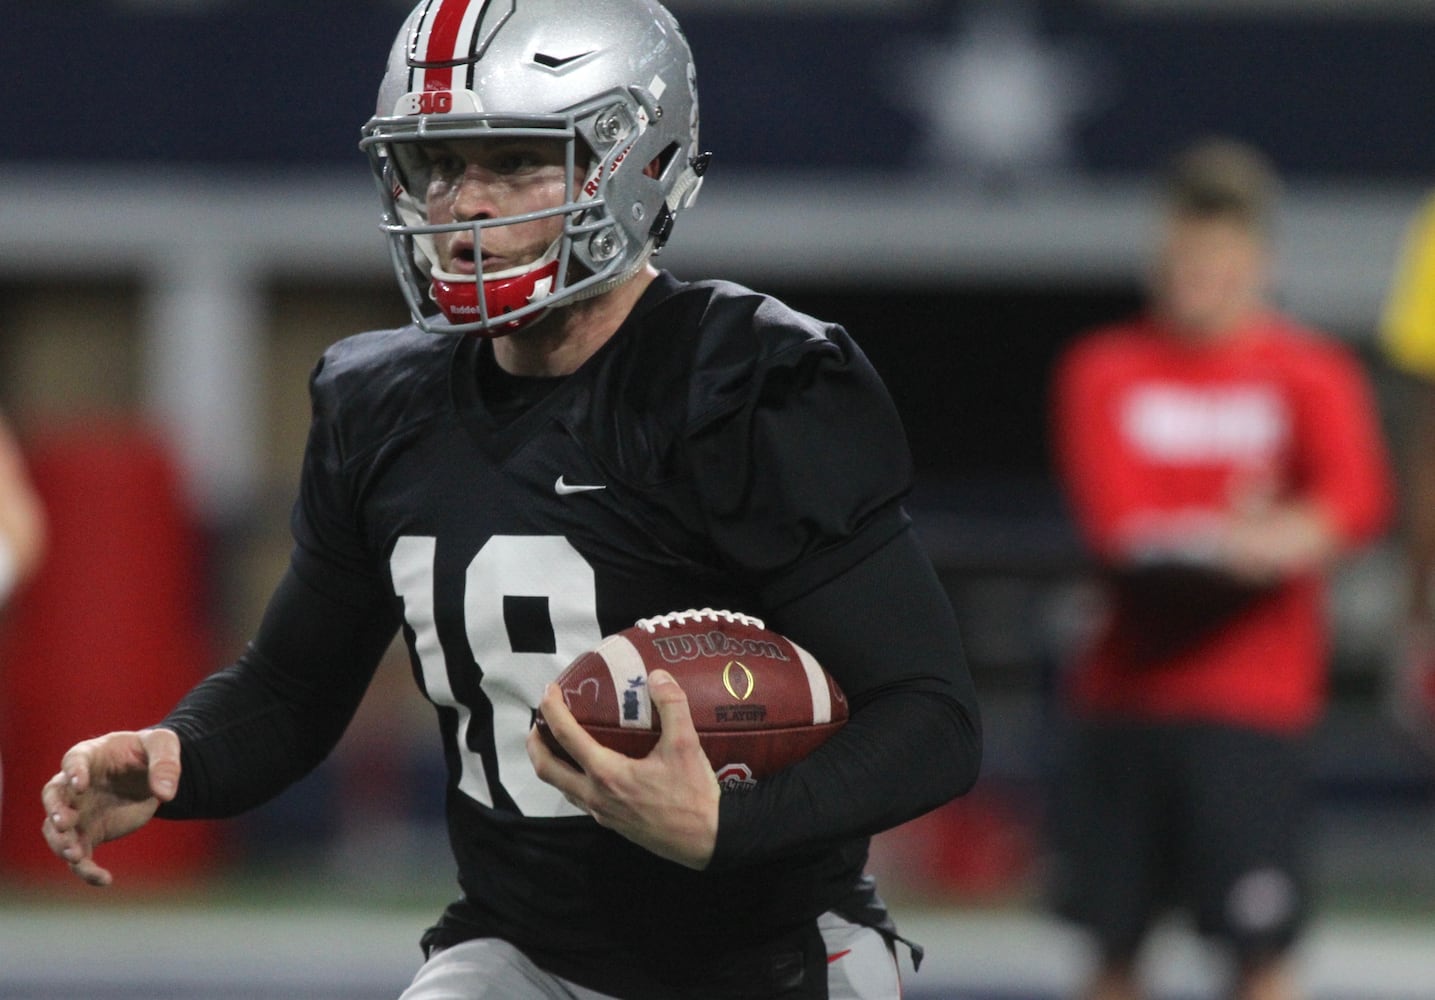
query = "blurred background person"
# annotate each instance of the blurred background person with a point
(1218, 458)
(22, 520)
(22, 517)
(1408, 337)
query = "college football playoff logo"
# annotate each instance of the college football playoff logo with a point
(738, 680)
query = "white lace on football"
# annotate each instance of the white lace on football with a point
(673, 618)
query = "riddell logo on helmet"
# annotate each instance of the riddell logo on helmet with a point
(591, 188)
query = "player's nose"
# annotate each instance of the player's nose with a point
(475, 197)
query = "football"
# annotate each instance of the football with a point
(759, 701)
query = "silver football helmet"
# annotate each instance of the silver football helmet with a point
(613, 79)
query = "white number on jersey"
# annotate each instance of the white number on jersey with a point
(510, 682)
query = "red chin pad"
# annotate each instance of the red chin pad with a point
(458, 300)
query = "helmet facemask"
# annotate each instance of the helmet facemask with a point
(612, 80)
(592, 253)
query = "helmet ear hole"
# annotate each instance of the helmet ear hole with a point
(662, 162)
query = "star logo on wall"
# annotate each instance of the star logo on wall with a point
(999, 101)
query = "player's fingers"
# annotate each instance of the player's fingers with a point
(570, 734)
(545, 761)
(556, 771)
(674, 712)
(578, 804)
(55, 795)
(62, 812)
(162, 751)
(553, 769)
(59, 839)
(76, 769)
(555, 712)
(70, 847)
(61, 835)
(81, 762)
(92, 873)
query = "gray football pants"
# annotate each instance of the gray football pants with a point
(860, 967)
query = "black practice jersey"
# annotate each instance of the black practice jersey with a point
(720, 450)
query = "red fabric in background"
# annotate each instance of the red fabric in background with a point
(108, 635)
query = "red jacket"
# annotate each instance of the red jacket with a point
(1149, 428)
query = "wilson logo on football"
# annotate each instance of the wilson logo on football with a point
(738, 680)
(691, 645)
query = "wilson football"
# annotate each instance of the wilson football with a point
(759, 701)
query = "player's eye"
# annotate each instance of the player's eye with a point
(517, 161)
(444, 164)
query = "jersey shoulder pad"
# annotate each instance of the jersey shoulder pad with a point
(373, 384)
(724, 342)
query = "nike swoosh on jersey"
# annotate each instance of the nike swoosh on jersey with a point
(564, 489)
(840, 954)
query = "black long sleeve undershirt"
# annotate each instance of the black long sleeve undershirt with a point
(252, 729)
(913, 741)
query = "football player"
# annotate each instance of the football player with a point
(564, 441)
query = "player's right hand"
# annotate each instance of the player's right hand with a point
(666, 802)
(107, 787)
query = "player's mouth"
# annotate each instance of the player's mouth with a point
(462, 258)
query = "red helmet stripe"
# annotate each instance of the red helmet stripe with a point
(443, 42)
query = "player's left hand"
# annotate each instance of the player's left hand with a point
(666, 802)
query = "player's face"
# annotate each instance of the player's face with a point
(1211, 274)
(489, 179)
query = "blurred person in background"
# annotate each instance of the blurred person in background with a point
(1218, 458)
(22, 520)
(577, 441)
(22, 517)
(1408, 336)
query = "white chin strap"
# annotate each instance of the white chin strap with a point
(611, 283)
